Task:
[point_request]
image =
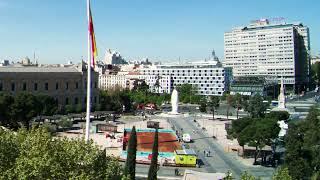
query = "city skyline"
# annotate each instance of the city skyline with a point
(164, 30)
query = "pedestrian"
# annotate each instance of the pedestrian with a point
(209, 153)
(204, 152)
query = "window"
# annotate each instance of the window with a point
(35, 87)
(24, 87)
(95, 99)
(67, 101)
(1, 86)
(46, 86)
(77, 85)
(67, 86)
(57, 86)
(95, 85)
(13, 87)
(76, 100)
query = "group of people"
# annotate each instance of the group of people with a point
(207, 153)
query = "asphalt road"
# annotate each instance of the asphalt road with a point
(219, 161)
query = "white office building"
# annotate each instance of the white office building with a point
(269, 49)
(209, 77)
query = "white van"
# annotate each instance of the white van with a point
(186, 138)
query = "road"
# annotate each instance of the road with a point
(220, 161)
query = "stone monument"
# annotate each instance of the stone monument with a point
(174, 102)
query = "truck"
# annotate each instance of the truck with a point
(186, 138)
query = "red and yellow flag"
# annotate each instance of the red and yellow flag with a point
(94, 51)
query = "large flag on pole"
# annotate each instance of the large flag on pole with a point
(94, 51)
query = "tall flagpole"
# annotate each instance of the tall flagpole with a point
(88, 78)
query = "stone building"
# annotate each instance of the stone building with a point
(65, 83)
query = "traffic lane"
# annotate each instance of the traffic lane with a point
(234, 163)
(220, 161)
(207, 165)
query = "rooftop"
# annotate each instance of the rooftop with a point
(38, 69)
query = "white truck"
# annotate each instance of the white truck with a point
(186, 138)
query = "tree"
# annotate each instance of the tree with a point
(315, 71)
(65, 123)
(230, 102)
(24, 108)
(247, 176)
(69, 109)
(6, 102)
(279, 115)
(255, 132)
(296, 157)
(152, 174)
(46, 105)
(130, 166)
(203, 105)
(213, 103)
(238, 103)
(303, 146)
(282, 174)
(256, 107)
(34, 154)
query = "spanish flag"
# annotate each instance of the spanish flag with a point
(94, 51)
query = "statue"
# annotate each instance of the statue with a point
(174, 102)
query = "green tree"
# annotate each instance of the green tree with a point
(34, 154)
(9, 151)
(282, 174)
(186, 92)
(65, 122)
(247, 176)
(6, 102)
(238, 103)
(256, 107)
(279, 115)
(296, 157)
(213, 103)
(46, 105)
(130, 166)
(24, 108)
(315, 71)
(255, 132)
(230, 102)
(203, 105)
(153, 169)
(69, 109)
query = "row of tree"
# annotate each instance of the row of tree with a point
(257, 132)
(18, 110)
(302, 144)
(35, 154)
(254, 105)
(130, 166)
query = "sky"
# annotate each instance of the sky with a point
(162, 30)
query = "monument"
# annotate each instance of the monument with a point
(174, 102)
(281, 99)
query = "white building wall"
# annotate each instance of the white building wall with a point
(208, 78)
(263, 50)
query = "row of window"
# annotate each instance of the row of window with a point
(46, 86)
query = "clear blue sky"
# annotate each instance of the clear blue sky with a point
(158, 29)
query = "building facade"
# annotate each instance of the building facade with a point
(67, 85)
(267, 49)
(209, 77)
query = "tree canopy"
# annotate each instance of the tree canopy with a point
(302, 144)
(35, 154)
